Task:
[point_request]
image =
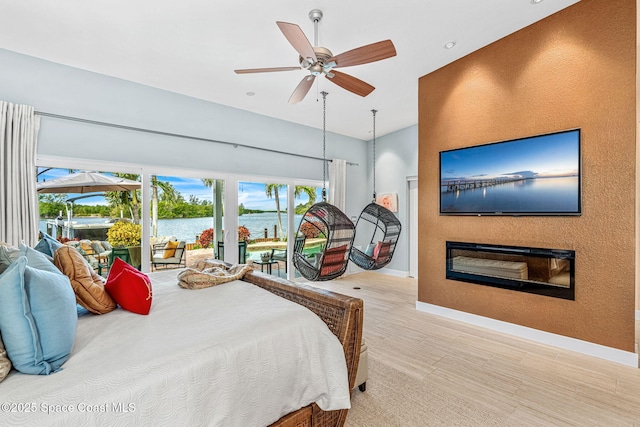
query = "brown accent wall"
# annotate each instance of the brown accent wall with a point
(573, 69)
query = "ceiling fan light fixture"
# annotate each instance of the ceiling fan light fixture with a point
(329, 65)
(316, 69)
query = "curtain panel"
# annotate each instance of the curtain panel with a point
(338, 183)
(18, 198)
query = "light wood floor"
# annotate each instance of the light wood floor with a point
(427, 370)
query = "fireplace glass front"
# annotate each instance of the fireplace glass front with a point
(547, 272)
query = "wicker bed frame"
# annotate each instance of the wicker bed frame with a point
(343, 315)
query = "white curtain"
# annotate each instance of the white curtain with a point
(338, 183)
(18, 199)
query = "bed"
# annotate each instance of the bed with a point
(241, 353)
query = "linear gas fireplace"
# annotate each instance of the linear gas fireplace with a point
(548, 272)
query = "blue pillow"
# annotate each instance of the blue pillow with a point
(369, 250)
(37, 259)
(38, 318)
(48, 245)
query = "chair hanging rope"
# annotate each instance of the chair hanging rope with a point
(381, 223)
(325, 221)
(374, 154)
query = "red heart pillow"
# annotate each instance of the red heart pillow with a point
(130, 288)
(117, 267)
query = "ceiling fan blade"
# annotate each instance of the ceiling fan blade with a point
(365, 54)
(350, 83)
(301, 90)
(298, 40)
(266, 70)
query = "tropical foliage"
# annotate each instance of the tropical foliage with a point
(243, 233)
(272, 190)
(128, 201)
(51, 205)
(242, 210)
(206, 237)
(310, 231)
(124, 233)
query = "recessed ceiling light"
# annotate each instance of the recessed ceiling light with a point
(250, 93)
(535, 1)
(449, 45)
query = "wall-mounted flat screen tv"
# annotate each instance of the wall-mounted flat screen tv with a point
(536, 175)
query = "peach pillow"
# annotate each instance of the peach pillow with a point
(87, 285)
(170, 249)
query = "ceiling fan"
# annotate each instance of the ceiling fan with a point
(319, 60)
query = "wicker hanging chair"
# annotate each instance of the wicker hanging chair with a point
(331, 223)
(386, 231)
(386, 227)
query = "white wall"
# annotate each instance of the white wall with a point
(59, 89)
(396, 159)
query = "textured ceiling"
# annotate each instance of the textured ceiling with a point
(192, 47)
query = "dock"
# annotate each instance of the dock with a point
(469, 184)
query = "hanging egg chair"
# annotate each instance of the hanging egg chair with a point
(330, 223)
(381, 223)
(386, 231)
(327, 222)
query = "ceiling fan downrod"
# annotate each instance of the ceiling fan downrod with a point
(315, 15)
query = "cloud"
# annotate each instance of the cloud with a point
(523, 174)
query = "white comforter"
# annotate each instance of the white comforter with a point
(230, 355)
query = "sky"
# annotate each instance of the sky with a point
(547, 155)
(251, 194)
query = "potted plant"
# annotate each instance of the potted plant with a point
(124, 234)
(243, 233)
(206, 238)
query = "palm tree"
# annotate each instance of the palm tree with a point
(217, 207)
(165, 187)
(272, 191)
(309, 191)
(127, 199)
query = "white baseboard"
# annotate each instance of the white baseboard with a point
(391, 272)
(637, 314)
(584, 347)
(353, 269)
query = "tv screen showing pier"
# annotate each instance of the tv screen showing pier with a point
(536, 175)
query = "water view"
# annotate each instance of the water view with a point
(528, 195)
(188, 228)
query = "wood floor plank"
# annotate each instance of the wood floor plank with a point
(427, 370)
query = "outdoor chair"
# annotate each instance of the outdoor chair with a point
(281, 254)
(242, 252)
(170, 254)
(122, 253)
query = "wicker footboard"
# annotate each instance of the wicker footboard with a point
(343, 315)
